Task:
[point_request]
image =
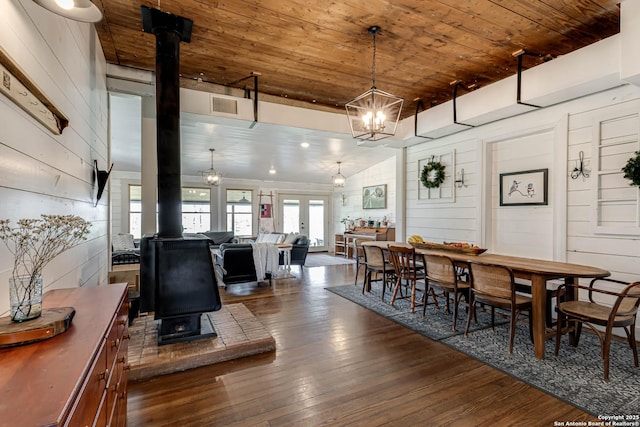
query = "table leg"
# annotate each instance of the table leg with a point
(287, 260)
(538, 301)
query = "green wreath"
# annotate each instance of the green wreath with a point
(432, 174)
(632, 169)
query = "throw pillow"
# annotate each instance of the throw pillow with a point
(274, 238)
(291, 238)
(122, 242)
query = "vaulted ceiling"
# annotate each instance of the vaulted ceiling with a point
(320, 53)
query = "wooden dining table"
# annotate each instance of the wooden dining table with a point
(538, 271)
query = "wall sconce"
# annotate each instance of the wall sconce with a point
(580, 170)
(78, 10)
(100, 178)
(343, 199)
(460, 181)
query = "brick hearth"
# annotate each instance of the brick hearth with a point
(240, 334)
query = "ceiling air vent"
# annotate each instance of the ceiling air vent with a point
(224, 105)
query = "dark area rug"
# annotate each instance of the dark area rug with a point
(575, 376)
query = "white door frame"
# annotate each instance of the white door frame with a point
(304, 203)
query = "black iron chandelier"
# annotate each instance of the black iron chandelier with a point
(374, 115)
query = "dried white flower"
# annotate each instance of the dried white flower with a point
(35, 242)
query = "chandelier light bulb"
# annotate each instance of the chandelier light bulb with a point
(212, 179)
(372, 124)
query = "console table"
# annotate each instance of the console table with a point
(76, 378)
(344, 242)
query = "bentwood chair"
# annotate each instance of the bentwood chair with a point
(442, 274)
(358, 253)
(407, 269)
(494, 285)
(375, 263)
(611, 304)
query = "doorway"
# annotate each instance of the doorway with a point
(308, 215)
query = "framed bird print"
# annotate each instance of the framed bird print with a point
(524, 188)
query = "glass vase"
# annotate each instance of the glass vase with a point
(25, 295)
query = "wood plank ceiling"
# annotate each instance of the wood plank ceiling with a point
(319, 52)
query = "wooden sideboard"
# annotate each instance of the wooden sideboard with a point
(76, 378)
(344, 242)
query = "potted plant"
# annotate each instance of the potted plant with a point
(632, 169)
(348, 223)
(385, 221)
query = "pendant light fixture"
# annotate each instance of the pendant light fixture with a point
(374, 115)
(338, 179)
(77, 10)
(244, 200)
(210, 176)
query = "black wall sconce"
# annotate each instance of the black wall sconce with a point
(101, 178)
(580, 169)
(460, 181)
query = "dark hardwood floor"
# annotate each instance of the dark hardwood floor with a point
(337, 363)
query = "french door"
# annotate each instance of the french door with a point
(308, 215)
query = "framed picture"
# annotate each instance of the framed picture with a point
(374, 197)
(524, 188)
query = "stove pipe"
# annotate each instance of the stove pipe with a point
(169, 30)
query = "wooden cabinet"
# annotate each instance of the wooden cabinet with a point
(339, 247)
(129, 273)
(366, 233)
(77, 378)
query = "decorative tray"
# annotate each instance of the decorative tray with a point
(448, 247)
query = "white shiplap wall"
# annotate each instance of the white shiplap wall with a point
(526, 230)
(381, 173)
(43, 173)
(547, 138)
(586, 242)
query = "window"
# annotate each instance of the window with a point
(239, 212)
(196, 210)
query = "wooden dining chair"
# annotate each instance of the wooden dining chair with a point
(441, 273)
(358, 253)
(407, 269)
(611, 304)
(376, 263)
(494, 285)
